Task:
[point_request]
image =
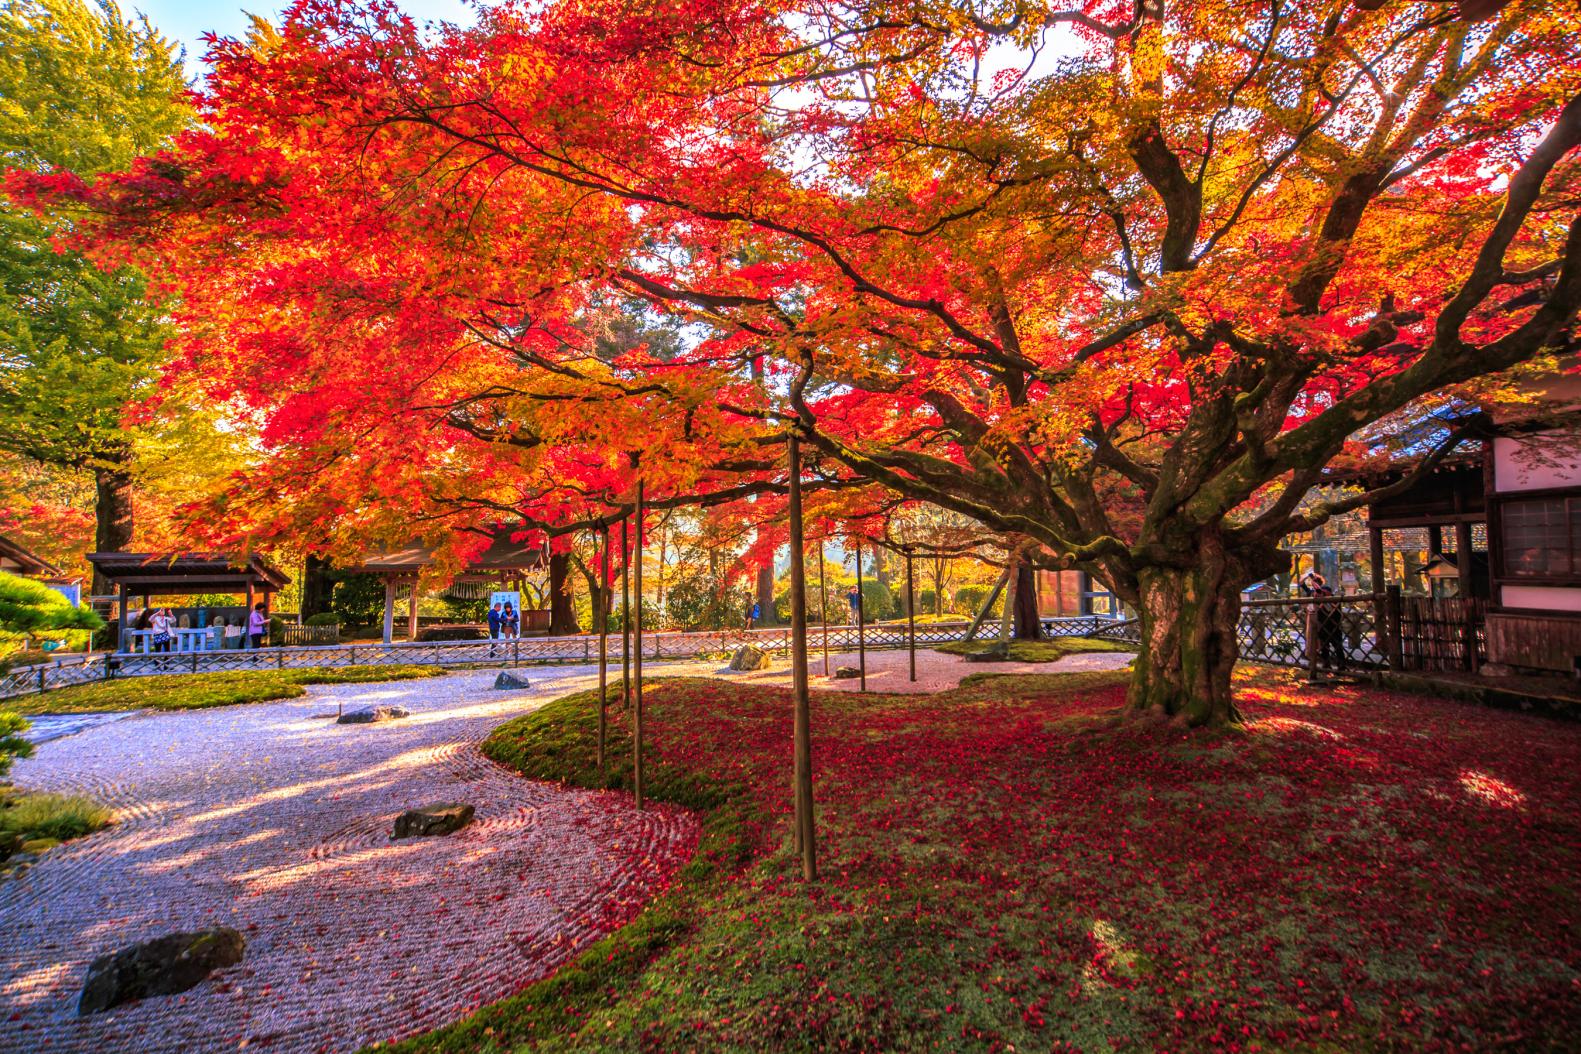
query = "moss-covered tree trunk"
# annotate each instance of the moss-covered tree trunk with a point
(1188, 649)
(562, 615)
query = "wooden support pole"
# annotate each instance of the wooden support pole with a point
(988, 603)
(411, 611)
(911, 616)
(861, 619)
(389, 610)
(802, 735)
(636, 659)
(122, 602)
(603, 646)
(625, 616)
(247, 622)
(823, 600)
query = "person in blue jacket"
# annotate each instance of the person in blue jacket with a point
(495, 618)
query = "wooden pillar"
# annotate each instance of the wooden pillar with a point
(1380, 609)
(603, 647)
(1463, 557)
(247, 623)
(389, 609)
(861, 619)
(802, 734)
(1375, 546)
(911, 616)
(636, 659)
(411, 611)
(122, 602)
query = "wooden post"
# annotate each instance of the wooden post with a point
(1380, 613)
(411, 611)
(802, 735)
(636, 669)
(389, 610)
(988, 603)
(1392, 628)
(625, 616)
(911, 616)
(861, 619)
(1312, 642)
(603, 648)
(823, 599)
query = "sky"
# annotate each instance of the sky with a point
(185, 21)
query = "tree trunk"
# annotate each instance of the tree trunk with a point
(316, 586)
(562, 616)
(765, 595)
(112, 511)
(1188, 621)
(1029, 625)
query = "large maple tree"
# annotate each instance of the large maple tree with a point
(1116, 280)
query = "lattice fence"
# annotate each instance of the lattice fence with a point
(1277, 631)
(583, 648)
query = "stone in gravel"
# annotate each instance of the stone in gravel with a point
(511, 681)
(748, 657)
(163, 966)
(996, 653)
(369, 714)
(432, 820)
(845, 673)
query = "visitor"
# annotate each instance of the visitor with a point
(854, 598)
(754, 612)
(162, 624)
(495, 618)
(510, 622)
(233, 635)
(1327, 622)
(256, 625)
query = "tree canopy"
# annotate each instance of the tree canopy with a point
(81, 90)
(1119, 281)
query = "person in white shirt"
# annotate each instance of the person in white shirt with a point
(161, 624)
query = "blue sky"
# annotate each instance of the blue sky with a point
(186, 21)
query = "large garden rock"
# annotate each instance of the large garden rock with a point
(432, 820)
(162, 966)
(370, 714)
(511, 681)
(999, 652)
(748, 657)
(846, 673)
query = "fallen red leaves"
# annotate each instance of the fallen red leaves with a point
(1004, 867)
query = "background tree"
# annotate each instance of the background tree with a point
(81, 90)
(1125, 306)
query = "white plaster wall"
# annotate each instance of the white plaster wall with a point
(1541, 598)
(1534, 463)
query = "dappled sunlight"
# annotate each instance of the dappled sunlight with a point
(1284, 726)
(1491, 790)
(181, 861)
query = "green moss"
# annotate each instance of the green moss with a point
(1035, 650)
(202, 690)
(50, 817)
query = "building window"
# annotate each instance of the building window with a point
(1542, 537)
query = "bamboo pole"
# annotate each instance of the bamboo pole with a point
(603, 647)
(625, 616)
(802, 744)
(861, 618)
(636, 659)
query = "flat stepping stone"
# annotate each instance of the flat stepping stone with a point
(370, 714)
(846, 673)
(432, 820)
(162, 966)
(508, 681)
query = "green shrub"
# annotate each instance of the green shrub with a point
(968, 599)
(325, 618)
(12, 745)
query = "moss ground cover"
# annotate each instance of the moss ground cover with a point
(1007, 867)
(1051, 650)
(32, 822)
(196, 691)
